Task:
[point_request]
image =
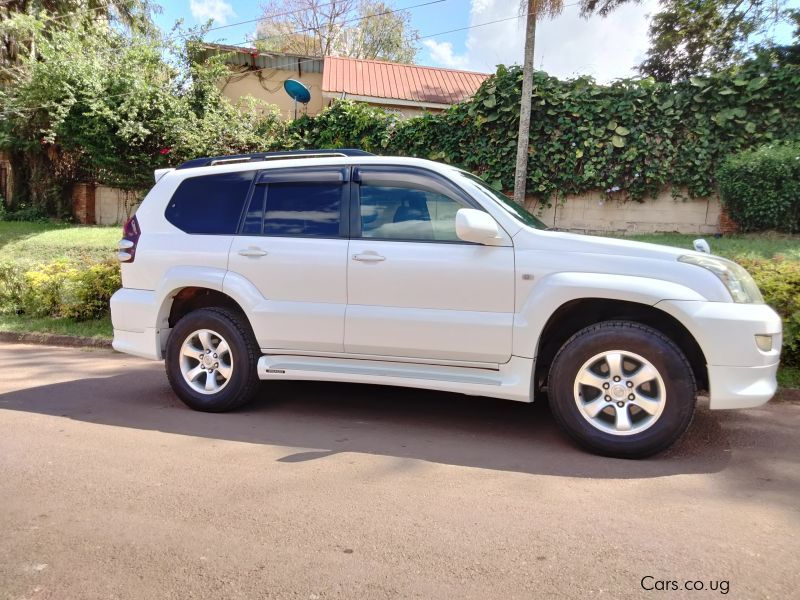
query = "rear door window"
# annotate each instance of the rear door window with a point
(297, 204)
(210, 204)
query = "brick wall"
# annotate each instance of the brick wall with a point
(83, 203)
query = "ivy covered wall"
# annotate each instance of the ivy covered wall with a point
(633, 136)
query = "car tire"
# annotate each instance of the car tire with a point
(622, 389)
(211, 360)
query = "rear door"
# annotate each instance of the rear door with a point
(414, 288)
(292, 245)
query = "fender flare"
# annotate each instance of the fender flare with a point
(555, 290)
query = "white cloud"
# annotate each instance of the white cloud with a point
(442, 54)
(565, 46)
(218, 10)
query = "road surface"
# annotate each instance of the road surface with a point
(111, 488)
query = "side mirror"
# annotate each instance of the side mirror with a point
(474, 225)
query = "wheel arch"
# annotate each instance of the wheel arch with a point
(574, 315)
(180, 301)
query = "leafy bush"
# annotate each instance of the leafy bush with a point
(31, 214)
(60, 288)
(632, 136)
(761, 188)
(779, 281)
(43, 288)
(88, 292)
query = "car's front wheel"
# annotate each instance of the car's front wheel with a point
(622, 389)
(211, 360)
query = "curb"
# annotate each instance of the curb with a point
(53, 339)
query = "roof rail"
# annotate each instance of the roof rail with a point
(209, 161)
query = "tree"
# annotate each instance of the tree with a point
(688, 37)
(134, 14)
(380, 34)
(602, 7)
(533, 9)
(99, 104)
(368, 29)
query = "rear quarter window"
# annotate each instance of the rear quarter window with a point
(210, 204)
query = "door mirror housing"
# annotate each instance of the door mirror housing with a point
(476, 226)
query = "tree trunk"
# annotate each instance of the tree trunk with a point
(521, 172)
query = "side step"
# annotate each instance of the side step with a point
(512, 381)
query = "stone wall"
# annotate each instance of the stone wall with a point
(592, 213)
(114, 206)
(102, 205)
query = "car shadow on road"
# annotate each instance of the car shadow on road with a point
(314, 420)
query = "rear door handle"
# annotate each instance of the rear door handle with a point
(368, 257)
(252, 251)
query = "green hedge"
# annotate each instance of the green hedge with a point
(60, 288)
(632, 136)
(761, 188)
(779, 281)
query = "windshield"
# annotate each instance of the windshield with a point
(511, 207)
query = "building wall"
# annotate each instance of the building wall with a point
(269, 88)
(591, 213)
(405, 112)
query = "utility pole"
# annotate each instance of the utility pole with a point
(521, 172)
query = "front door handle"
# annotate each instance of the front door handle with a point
(252, 251)
(368, 257)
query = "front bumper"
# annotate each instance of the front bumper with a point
(740, 375)
(741, 387)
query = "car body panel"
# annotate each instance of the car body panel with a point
(436, 309)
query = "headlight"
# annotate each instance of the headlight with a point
(738, 281)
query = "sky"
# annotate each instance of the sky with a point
(567, 46)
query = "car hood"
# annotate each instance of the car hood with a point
(562, 241)
(543, 253)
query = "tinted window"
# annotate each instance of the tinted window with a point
(405, 213)
(295, 209)
(209, 204)
(520, 212)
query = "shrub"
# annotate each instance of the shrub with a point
(59, 288)
(779, 281)
(43, 288)
(24, 212)
(89, 291)
(761, 188)
(12, 286)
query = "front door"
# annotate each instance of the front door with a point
(414, 288)
(292, 246)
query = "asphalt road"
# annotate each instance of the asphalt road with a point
(111, 488)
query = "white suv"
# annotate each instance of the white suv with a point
(337, 265)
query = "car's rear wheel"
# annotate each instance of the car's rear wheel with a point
(211, 360)
(622, 389)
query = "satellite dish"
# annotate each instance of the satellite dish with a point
(297, 91)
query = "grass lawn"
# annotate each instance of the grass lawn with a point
(763, 245)
(100, 328)
(30, 243)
